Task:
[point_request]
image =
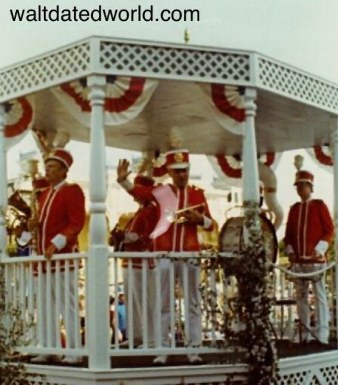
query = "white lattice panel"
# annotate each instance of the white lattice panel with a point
(107, 56)
(49, 70)
(330, 374)
(175, 63)
(315, 375)
(298, 378)
(287, 81)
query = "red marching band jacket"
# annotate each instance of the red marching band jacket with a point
(60, 211)
(142, 223)
(179, 236)
(308, 223)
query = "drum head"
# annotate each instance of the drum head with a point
(231, 237)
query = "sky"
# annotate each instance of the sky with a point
(302, 33)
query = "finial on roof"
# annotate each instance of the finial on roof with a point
(186, 36)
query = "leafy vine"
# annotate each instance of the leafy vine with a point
(246, 321)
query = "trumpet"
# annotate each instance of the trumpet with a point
(177, 217)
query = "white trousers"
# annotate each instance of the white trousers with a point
(55, 304)
(141, 323)
(320, 302)
(193, 307)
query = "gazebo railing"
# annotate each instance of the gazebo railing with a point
(29, 282)
(151, 290)
(40, 289)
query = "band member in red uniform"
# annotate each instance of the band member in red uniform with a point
(177, 234)
(309, 231)
(135, 237)
(60, 218)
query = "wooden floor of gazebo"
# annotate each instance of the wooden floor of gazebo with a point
(285, 349)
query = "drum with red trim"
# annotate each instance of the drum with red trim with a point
(231, 237)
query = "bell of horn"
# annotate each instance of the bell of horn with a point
(19, 203)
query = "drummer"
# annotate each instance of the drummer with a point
(309, 231)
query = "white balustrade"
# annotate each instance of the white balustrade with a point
(42, 295)
(179, 303)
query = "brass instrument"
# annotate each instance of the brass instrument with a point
(176, 217)
(17, 215)
(23, 206)
(32, 170)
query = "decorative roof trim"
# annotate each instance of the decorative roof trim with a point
(104, 55)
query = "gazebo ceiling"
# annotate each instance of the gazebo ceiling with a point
(281, 124)
(294, 108)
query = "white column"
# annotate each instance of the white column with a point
(97, 285)
(250, 162)
(3, 184)
(334, 147)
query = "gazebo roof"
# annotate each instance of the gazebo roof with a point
(293, 107)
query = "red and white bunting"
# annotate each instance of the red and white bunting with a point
(232, 166)
(323, 155)
(19, 118)
(227, 106)
(125, 98)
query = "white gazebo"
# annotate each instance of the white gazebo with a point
(143, 95)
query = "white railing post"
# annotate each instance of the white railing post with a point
(3, 185)
(97, 271)
(250, 162)
(334, 146)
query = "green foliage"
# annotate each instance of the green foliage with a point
(12, 335)
(246, 320)
(254, 304)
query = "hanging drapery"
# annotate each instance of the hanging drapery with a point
(227, 106)
(232, 165)
(125, 98)
(232, 169)
(19, 118)
(323, 155)
(227, 103)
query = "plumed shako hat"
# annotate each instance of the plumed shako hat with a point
(62, 156)
(304, 176)
(177, 159)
